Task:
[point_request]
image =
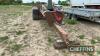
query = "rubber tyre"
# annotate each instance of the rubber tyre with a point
(35, 14)
(59, 45)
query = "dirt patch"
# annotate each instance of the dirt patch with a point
(22, 36)
(27, 37)
(86, 33)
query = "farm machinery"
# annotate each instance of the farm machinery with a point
(46, 12)
(54, 18)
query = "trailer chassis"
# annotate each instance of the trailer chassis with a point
(89, 14)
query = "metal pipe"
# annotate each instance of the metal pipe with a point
(50, 6)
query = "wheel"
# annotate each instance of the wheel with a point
(69, 16)
(78, 17)
(74, 17)
(60, 45)
(35, 14)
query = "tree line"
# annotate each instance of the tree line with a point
(64, 2)
(10, 2)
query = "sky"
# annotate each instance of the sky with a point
(25, 1)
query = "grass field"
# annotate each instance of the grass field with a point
(7, 11)
(14, 8)
(11, 26)
(20, 35)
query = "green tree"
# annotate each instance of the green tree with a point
(18, 1)
(63, 2)
(10, 2)
(32, 2)
(6, 1)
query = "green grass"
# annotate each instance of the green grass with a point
(81, 36)
(3, 54)
(19, 32)
(90, 54)
(10, 45)
(16, 47)
(98, 52)
(72, 30)
(65, 54)
(13, 11)
(13, 8)
(15, 14)
(50, 40)
(71, 21)
(98, 38)
(13, 47)
(16, 24)
(4, 38)
(93, 41)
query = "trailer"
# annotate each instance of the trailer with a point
(89, 14)
(87, 9)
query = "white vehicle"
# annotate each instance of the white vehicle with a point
(76, 3)
(87, 9)
(85, 3)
